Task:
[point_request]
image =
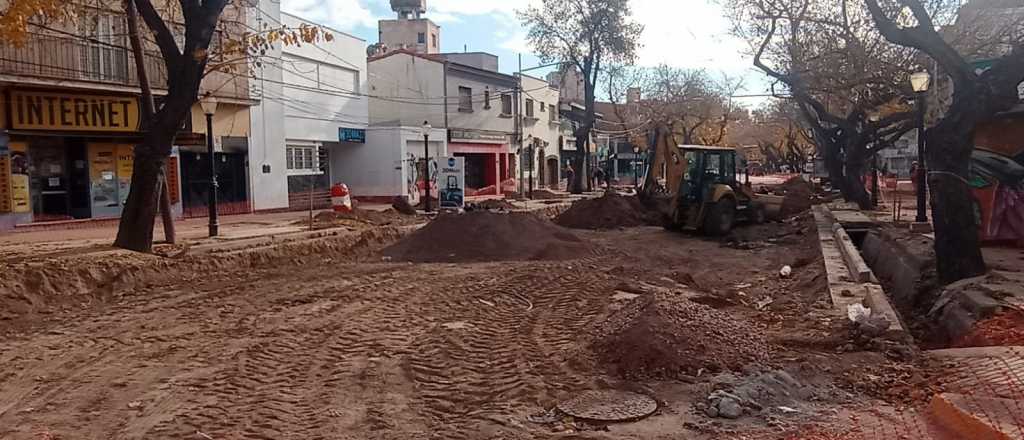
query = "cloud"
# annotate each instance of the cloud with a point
(445, 18)
(516, 43)
(345, 15)
(479, 7)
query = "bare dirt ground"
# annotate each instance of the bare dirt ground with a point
(326, 340)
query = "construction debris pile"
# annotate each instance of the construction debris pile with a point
(493, 204)
(798, 196)
(663, 336)
(483, 236)
(610, 211)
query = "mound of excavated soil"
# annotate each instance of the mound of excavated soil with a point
(389, 217)
(545, 194)
(481, 236)
(610, 211)
(798, 193)
(496, 204)
(662, 336)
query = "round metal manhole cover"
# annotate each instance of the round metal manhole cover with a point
(609, 406)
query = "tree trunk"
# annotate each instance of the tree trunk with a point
(855, 191)
(136, 229)
(148, 112)
(576, 186)
(957, 245)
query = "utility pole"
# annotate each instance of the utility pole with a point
(517, 128)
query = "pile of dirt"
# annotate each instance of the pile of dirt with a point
(495, 204)
(1005, 329)
(798, 196)
(610, 211)
(481, 236)
(402, 205)
(545, 194)
(330, 219)
(662, 336)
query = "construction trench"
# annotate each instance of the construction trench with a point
(386, 328)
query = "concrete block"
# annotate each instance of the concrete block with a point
(846, 294)
(859, 270)
(878, 302)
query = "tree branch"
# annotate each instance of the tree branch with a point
(164, 38)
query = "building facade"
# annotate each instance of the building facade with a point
(312, 119)
(71, 119)
(541, 128)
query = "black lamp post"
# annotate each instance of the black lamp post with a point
(920, 82)
(636, 167)
(426, 163)
(209, 105)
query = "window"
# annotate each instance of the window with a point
(529, 108)
(542, 107)
(465, 99)
(421, 38)
(433, 40)
(487, 99)
(302, 159)
(105, 55)
(553, 114)
(506, 104)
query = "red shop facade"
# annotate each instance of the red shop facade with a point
(489, 162)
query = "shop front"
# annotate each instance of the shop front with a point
(488, 160)
(68, 155)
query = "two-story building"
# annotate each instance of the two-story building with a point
(313, 108)
(541, 128)
(71, 117)
(481, 121)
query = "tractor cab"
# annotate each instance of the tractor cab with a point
(708, 196)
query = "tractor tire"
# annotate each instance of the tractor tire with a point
(759, 216)
(720, 218)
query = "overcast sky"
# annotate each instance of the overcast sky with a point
(684, 33)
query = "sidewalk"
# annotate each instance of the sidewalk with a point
(21, 245)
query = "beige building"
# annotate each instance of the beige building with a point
(410, 31)
(73, 118)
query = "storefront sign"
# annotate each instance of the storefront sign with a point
(478, 136)
(21, 200)
(354, 135)
(73, 112)
(451, 182)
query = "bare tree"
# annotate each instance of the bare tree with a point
(975, 97)
(586, 35)
(850, 87)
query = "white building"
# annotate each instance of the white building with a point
(313, 105)
(542, 132)
(406, 90)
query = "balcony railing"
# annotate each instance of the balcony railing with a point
(68, 58)
(65, 58)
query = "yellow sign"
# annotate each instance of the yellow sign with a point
(78, 112)
(20, 196)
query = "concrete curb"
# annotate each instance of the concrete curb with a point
(847, 287)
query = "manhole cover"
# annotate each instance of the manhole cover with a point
(609, 406)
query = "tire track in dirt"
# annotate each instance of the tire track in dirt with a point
(499, 349)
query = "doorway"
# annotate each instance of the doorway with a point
(551, 172)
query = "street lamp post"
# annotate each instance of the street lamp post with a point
(636, 167)
(209, 105)
(920, 82)
(426, 163)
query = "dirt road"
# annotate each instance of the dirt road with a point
(349, 347)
